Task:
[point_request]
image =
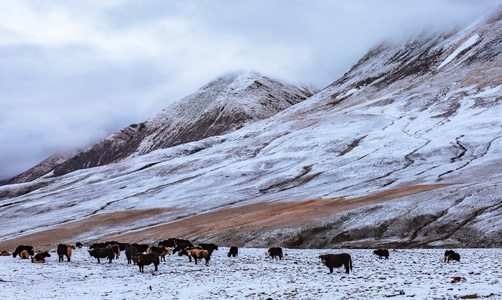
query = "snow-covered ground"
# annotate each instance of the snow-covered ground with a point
(413, 273)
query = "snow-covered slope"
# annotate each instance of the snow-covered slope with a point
(404, 150)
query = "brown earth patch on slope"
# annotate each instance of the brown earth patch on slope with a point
(265, 216)
(69, 232)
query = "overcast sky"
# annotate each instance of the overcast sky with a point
(73, 72)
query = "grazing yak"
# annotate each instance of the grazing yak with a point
(140, 247)
(184, 251)
(131, 253)
(382, 253)
(20, 248)
(451, 255)
(233, 251)
(274, 252)
(103, 253)
(40, 257)
(161, 251)
(209, 247)
(97, 245)
(337, 260)
(182, 244)
(197, 253)
(145, 259)
(170, 242)
(112, 245)
(64, 250)
(122, 246)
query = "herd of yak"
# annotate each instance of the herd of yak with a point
(145, 254)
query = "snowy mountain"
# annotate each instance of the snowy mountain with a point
(221, 106)
(403, 151)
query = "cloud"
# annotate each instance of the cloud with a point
(72, 73)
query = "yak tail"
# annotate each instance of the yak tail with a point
(350, 263)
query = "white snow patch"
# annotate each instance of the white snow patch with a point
(348, 93)
(473, 39)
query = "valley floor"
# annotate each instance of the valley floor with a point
(411, 273)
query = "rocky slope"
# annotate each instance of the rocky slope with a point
(41, 169)
(403, 151)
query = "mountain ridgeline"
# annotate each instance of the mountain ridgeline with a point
(222, 106)
(404, 150)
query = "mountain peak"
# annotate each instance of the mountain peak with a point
(221, 106)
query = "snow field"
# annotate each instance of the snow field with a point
(417, 273)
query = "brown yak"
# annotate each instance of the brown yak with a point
(199, 254)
